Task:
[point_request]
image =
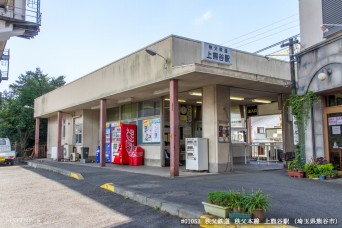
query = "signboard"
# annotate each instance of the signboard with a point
(151, 130)
(336, 130)
(216, 53)
(252, 110)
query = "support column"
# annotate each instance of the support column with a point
(103, 120)
(59, 136)
(36, 139)
(287, 127)
(174, 129)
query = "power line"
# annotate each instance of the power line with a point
(270, 30)
(273, 45)
(260, 28)
(266, 36)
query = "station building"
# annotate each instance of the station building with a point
(185, 88)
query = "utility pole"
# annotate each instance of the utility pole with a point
(290, 44)
(287, 125)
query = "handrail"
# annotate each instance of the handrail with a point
(24, 12)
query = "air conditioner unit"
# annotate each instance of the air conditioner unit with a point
(67, 150)
(73, 157)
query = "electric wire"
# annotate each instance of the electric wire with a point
(273, 45)
(270, 30)
(266, 37)
(293, 15)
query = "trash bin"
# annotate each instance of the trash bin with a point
(136, 156)
(98, 154)
(84, 152)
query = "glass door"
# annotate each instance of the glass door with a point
(333, 139)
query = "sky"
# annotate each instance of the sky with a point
(77, 37)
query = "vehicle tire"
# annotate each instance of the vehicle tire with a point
(11, 163)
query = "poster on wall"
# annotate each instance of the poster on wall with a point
(336, 130)
(339, 120)
(223, 132)
(332, 121)
(151, 130)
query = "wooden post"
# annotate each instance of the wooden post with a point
(59, 136)
(36, 139)
(103, 120)
(174, 129)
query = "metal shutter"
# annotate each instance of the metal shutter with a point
(332, 14)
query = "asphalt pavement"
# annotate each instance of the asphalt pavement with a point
(290, 197)
(37, 198)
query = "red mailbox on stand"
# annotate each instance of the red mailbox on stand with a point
(136, 156)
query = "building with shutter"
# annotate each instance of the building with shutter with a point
(320, 71)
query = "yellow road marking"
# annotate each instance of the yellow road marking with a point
(77, 176)
(108, 186)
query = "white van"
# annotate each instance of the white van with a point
(6, 154)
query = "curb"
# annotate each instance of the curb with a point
(179, 210)
(64, 172)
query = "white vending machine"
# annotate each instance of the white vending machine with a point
(196, 150)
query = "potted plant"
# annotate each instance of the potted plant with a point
(257, 204)
(311, 170)
(296, 167)
(218, 204)
(239, 203)
(325, 170)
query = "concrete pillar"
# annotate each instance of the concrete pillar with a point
(36, 139)
(103, 120)
(216, 110)
(174, 129)
(59, 136)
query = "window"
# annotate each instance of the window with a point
(149, 108)
(78, 133)
(2, 142)
(113, 114)
(260, 130)
(333, 100)
(129, 111)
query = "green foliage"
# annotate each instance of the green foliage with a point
(301, 106)
(318, 168)
(16, 111)
(311, 169)
(219, 198)
(297, 164)
(258, 200)
(325, 169)
(240, 200)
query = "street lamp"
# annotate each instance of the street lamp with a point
(153, 52)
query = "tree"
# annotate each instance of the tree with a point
(16, 110)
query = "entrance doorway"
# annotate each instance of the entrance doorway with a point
(266, 137)
(333, 130)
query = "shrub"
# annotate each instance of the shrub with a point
(219, 198)
(326, 169)
(258, 200)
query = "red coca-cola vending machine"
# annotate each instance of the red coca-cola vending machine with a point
(124, 139)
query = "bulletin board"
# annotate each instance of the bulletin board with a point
(149, 131)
